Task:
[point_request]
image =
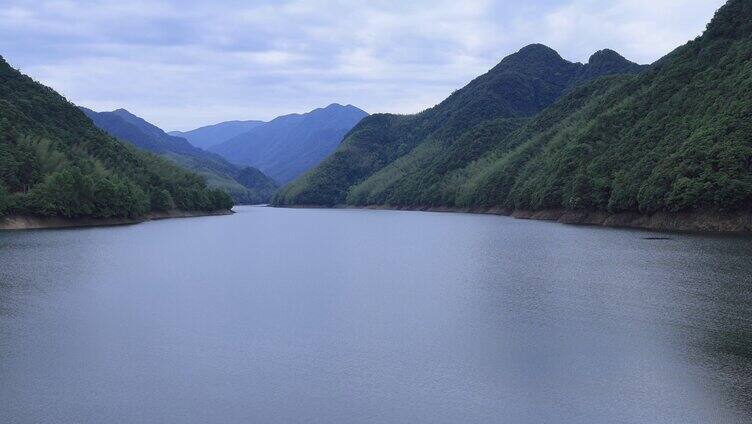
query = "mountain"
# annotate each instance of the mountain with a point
(289, 145)
(675, 138)
(519, 87)
(212, 135)
(55, 162)
(219, 173)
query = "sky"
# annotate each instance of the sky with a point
(184, 64)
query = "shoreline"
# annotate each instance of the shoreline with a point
(29, 222)
(695, 221)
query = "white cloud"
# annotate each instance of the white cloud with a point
(182, 64)
(643, 30)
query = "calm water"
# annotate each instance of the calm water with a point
(345, 316)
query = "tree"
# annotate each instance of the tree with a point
(5, 200)
(161, 200)
(219, 200)
(68, 193)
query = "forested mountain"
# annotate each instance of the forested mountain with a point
(212, 135)
(219, 173)
(289, 145)
(519, 87)
(675, 138)
(55, 162)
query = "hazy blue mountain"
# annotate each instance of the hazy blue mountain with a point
(212, 135)
(289, 145)
(219, 173)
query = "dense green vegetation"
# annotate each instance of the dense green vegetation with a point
(218, 172)
(520, 86)
(54, 162)
(425, 176)
(676, 137)
(262, 185)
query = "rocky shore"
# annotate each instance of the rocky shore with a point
(694, 221)
(26, 222)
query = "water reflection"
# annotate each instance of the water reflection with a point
(715, 315)
(373, 316)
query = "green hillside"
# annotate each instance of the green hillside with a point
(520, 86)
(55, 162)
(676, 137)
(218, 172)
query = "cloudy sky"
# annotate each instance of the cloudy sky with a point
(182, 64)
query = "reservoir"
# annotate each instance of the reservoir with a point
(361, 316)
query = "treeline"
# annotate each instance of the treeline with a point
(54, 162)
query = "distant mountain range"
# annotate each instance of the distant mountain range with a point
(284, 147)
(211, 135)
(243, 184)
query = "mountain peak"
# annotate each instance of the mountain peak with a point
(606, 56)
(537, 51)
(336, 106)
(535, 60)
(122, 111)
(607, 62)
(142, 124)
(732, 20)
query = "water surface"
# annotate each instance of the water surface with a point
(354, 316)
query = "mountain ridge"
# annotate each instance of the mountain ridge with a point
(211, 135)
(669, 147)
(519, 86)
(219, 173)
(290, 144)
